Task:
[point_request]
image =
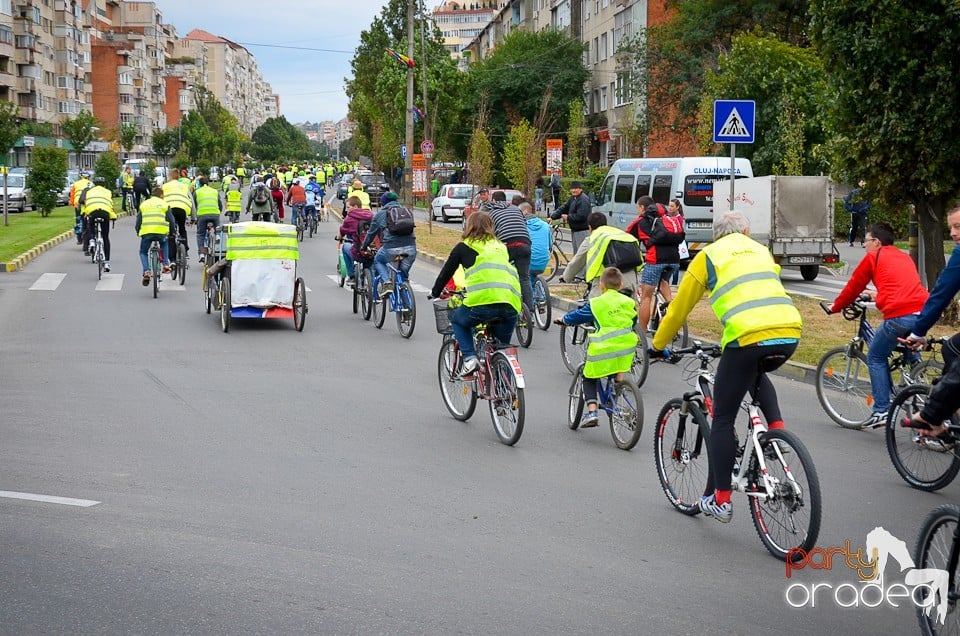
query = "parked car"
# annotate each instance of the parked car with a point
(64, 197)
(470, 209)
(214, 173)
(374, 184)
(18, 196)
(451, 199)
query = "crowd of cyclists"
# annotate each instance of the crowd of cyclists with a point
(505, 245)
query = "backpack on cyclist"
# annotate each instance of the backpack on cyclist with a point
(667, 230)
(399, 220)
(261, 196)
(624, 255)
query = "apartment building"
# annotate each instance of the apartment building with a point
(233, 77)
(460, 22)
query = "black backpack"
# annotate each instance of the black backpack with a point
(624, 255)
(260, 195)
(399, 220)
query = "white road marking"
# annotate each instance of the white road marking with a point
(417, 287)
(170, 285)
(48, 282)
(110, 282)
(66, 501)
(334, 277)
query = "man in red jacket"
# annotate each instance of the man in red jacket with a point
(899, 296)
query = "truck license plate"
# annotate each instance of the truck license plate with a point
(801, 260)
(699, 225)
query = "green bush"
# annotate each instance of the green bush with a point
(107, 170)
(898, 219)
(150, 170)
(47, 176)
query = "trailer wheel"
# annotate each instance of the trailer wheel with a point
(809, 272)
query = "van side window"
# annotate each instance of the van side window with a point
(643, 187)
(624, 189)
(606, 191)
(662, 188)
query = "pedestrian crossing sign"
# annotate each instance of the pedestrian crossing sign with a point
(733, 121)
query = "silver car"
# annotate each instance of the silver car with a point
(451, 199)
(18, 196)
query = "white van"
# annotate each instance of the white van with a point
(689, 179)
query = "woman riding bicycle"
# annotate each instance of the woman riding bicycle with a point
(900, 296)
(759, 320)
(611, 348)
(493, 287)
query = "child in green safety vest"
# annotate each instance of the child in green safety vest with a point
(612, 346)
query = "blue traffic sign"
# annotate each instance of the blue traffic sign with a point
(733, 121)
(403, 151)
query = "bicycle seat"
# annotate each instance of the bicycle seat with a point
(771, 363)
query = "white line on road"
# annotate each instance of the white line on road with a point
(169, 285)
(110, 282)
(66, 501)
(417, 287)
(48, 282)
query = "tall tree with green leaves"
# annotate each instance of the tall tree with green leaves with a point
(48, 173)
(80, 131)
(480, 152)
(780, 77)
(9, 133)
(107, 170)
(574, 153)
(522, 157)
(893, 107)
(277, 139)
(518, 73)
(165, 142)
(127, 135)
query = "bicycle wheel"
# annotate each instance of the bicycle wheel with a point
(575, 400)
(923, 465)
(182, 263)
(99, 267)
(843, 387)
(379, 307)
(207, 289)
(681, 339)
(680, 453)
(366, 296)
(788, 519)
(458, 395)
(407, 312)
(155, 272)
(358, 293)
(626, 416)
(542, 302)
(553, 266)
(641, 360)
(299, 231)
(573, 346)
(933, 552)
(524, 328)
(225, 304)
(313, 227)
(299, 304)
(506, 400)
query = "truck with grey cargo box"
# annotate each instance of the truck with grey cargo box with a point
(791, 215)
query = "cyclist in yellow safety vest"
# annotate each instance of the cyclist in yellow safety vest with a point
(177, 196)
(97, 203)
(592, 257)
(79, 186)
(759, 320)
(154, 222)
(234, 200)
(209, 207)
(126, 187)
(492, 284)
(612, 347)
(356, 190)
(241, 174)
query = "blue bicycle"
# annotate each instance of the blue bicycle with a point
(619, 398)
(401, 300)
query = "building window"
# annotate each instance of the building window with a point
(603, 99)
(5, 7)
(603, 46)
(126, 79)
(622, 93)
(25, 42)
(596, 50)
(6, 35)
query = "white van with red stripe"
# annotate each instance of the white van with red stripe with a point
(689, 179)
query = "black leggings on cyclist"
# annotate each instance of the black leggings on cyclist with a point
(180, 216)
(737, 374)
(945, 397)
(90, 231)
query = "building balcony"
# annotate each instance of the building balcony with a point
(24, 26)
(125, 89)
(8, 80)
(27, 85)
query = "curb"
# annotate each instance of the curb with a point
(21, 261)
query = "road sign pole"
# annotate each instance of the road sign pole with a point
(733, 171)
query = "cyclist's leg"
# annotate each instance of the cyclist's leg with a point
(878, 355)
(144, 249)
(164, 260)
(180, 216)
(506, 321)
(462, 321)
(105, 234)
(646, 300)
(590, 393)
(668, 273)
(520, 256)
(769, 404)
(86, 235)
(408, 260)
(945, 397)
(347, 250)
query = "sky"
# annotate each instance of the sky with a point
(310, 82)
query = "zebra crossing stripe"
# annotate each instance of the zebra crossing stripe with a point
(110, 282)
(48, 282)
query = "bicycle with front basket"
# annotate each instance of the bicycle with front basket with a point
(499, 379)
(774, 468)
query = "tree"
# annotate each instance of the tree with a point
(80, 131)
(576, 139)
(893, 106)
(522, 158)
(480, 154)
(277, 139)
(9, 133)
(669, 61)
(48, 173)
(198, 139)
(165, 142)
(107, 170)
(781, 78)
(127, 135)
(212, 135)
(517, 75)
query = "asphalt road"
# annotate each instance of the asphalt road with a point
(269, 481)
